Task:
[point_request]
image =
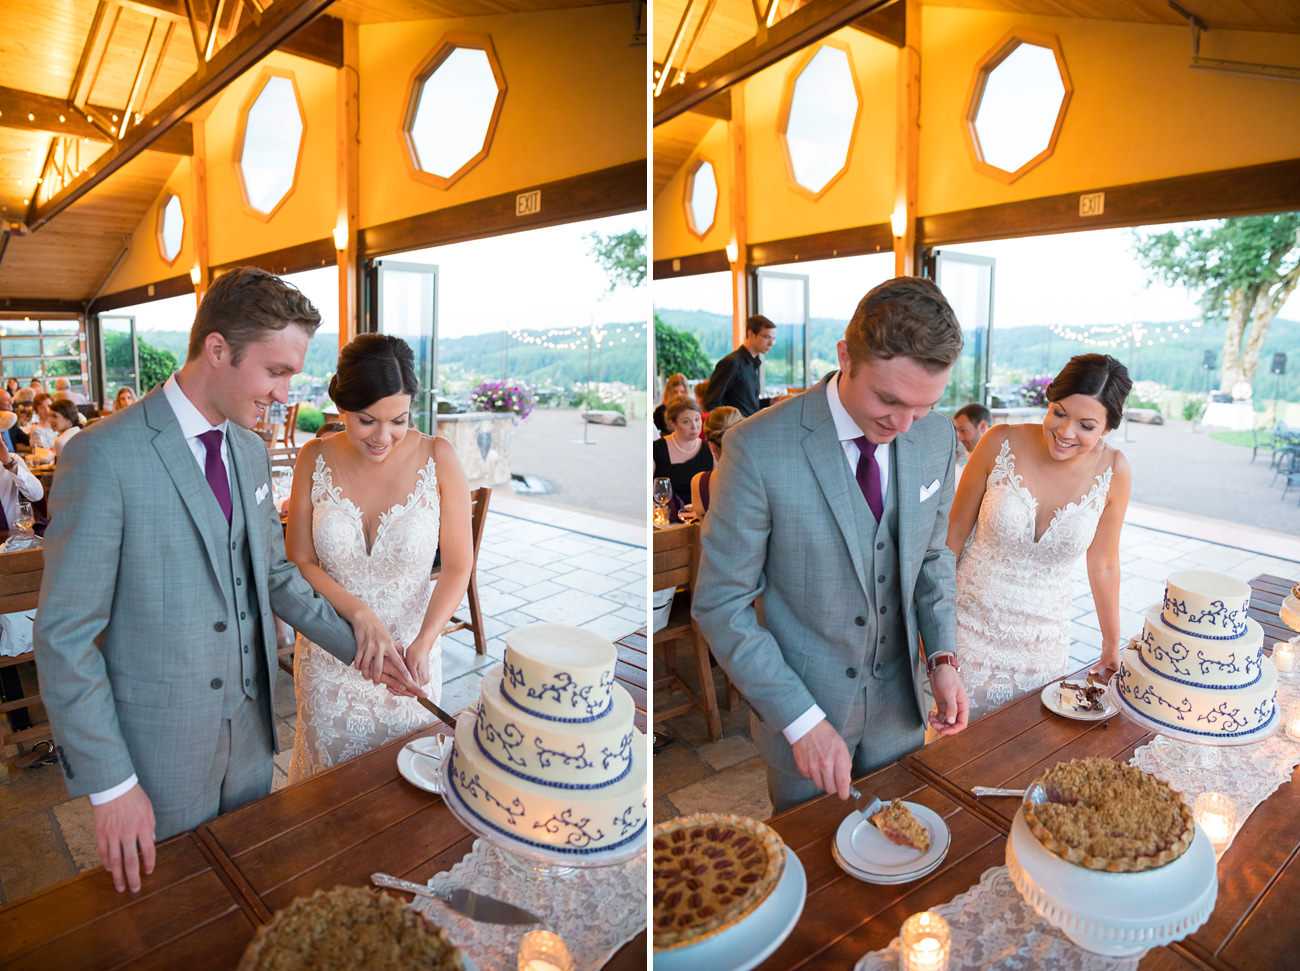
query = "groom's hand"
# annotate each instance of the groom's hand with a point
(397, 677)
(124, 833)
(950, 698)
(823, 759)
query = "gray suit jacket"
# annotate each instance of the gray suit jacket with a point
(125, 638)
(781, 528)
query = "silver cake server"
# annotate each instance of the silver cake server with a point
(473, 905)
(994, 791)
(866, 808)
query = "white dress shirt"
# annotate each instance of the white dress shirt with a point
(193, 424)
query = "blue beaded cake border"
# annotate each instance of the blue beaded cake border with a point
(1196, 684)
(555, 718)
(542, 782)
(1209, 637)
(1193, 731)
(549, 847)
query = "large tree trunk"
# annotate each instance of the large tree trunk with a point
(1239, 307)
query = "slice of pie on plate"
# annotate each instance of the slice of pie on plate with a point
(901, 827)
(710, 871)
(1103, 815)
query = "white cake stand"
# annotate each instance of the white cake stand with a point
(552, 862)
(1116, 914)
(1112, 694)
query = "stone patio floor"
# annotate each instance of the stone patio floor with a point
(535, 563)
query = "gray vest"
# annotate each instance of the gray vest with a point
(245, 665)
(886, 647)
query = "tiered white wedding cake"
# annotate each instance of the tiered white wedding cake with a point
(551, 756)
(1198, 667)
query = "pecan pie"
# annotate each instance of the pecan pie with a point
(901, 827)
(710, 870)
(349, 929)
(1107, 816)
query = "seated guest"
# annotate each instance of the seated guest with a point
(13, 436)
(701, 388)
(125, 397)
(15, 478)
(12, 386)
(680, 454)
(719, 420)
(63, 389)
(65, 419)
(674, 387)
(41, 431)
(972, 421)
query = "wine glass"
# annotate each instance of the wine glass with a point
(663, 495)
(26, 519)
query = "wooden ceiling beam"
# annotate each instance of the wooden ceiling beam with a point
(718, 106)
(320, 41)
(889, 24)
(29, 111)
(809, 23)
(280, 21)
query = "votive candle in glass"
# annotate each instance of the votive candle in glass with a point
(1293, 722)
(926, 942)
(1284, 657)
(544, 951)
(1217, 815)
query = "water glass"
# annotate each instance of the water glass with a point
(25, 520)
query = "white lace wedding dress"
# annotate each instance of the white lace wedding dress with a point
(340, 714)
(1013, 593)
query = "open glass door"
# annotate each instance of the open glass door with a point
(783, 299)
(406, 306)
(967, 281)
(121, 355)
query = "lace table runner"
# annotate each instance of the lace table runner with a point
(595, 910)
(993, 928)
(1248, 774)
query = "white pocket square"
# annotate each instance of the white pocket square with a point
(928, 491)
(265, 489)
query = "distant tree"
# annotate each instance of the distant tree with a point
(155, 365)
(621, 256)
(677, 352)
(1245, 268)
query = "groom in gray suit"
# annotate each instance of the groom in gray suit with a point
(164, 560)
(825, 565)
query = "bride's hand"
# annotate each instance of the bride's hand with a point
(373, 642)
(417, 659)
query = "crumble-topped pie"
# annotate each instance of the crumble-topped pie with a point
(901, 827)
(710, 870)
(349, 929)
(1107, 816)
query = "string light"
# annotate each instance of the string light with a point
(1133, 334)
(572, 338)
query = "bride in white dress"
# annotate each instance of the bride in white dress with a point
(1038, 497)
(370, 507)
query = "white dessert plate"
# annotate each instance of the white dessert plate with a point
(1290, 611)
(424, 771)
(1052, 701)
(743, 945)
(882, 881)
(865, 848)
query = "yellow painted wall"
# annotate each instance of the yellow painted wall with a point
(671, 232)
(143, 262)
(574, 103)
(1138, 112)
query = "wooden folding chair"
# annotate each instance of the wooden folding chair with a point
(290, 425)
(20, 590)
(479, 500)
(676, 558)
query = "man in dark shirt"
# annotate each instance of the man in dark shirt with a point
(735, 379)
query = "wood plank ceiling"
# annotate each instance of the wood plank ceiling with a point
(68, 72)
(711, 29)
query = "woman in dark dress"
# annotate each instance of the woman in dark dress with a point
(681, 453)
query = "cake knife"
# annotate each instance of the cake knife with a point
(475, 906)
(441, 715)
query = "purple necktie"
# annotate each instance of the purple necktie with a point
(868, 476)
(215, 469)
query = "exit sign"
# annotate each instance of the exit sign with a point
(1092, 203)
(528, 203)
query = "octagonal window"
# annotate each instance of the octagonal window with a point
(1015, 113)
(455, 101)
(270, 144)
(171, 228)
(817, 119)
(701, 198)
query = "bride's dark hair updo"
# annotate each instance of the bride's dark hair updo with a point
(371, 367)
(1098, 376)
